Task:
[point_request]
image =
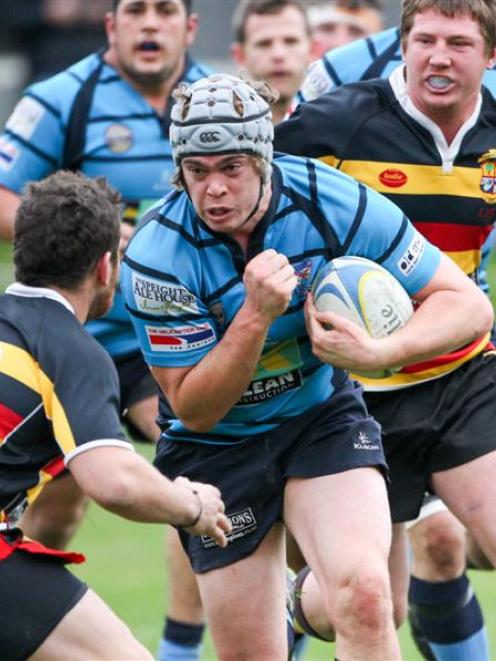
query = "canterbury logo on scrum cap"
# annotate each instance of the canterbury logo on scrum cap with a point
(210, 136)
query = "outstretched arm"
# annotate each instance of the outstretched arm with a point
(124, 483)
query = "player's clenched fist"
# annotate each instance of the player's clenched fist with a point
(270, 281)
(209, 518)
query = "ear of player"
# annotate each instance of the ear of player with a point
(365, 293)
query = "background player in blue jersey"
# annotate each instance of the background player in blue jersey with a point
(335, 23)
(441, 595)
(106, 115)
(59, 407)
(216, 280)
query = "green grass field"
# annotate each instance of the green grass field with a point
(125, 564)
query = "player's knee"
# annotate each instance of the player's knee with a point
(440, 541)
(363, 603)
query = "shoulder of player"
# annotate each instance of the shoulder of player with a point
(195, 70)
(332, 118)
(163, 229)
(58, 92)
(303, 175)
(351, 60)
(489, 83)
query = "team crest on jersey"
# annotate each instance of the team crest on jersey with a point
(119, 138)
(488, 176)
(303, 271)
(217, 311)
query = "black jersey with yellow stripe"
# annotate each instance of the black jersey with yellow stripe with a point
(58, 395)
(363, 130)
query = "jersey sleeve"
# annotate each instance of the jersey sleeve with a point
(308, 132)
(174, 325)
(81, 393)
(33, 140)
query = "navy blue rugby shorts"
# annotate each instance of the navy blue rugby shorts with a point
(335, 436)
(435, 426)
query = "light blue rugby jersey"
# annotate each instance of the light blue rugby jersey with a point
(127, 141)
(183, 284)
(373, 57)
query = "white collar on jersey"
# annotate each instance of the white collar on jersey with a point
(448, 153)
(18, 289)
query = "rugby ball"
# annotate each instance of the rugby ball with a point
(365, 293)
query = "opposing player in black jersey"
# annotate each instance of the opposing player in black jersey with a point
(58, 409)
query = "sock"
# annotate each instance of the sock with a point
(449, 617)
(181, 641)
(300, 646)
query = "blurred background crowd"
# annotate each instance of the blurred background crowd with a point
(41, 37)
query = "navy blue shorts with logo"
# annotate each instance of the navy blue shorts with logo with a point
(330, 438)
(435, 426)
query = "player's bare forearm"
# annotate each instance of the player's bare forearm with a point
(124, 483)
(9, 201)
(202, 395)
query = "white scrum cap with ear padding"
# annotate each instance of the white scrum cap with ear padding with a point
(220, 114)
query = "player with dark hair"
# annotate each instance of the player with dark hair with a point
(59, 409)
(416, 137)
(263, 404)
(106, 115)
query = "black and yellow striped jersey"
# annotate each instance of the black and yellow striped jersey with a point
(58, 394)
(371, 131)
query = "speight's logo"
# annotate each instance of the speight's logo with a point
(488, 177)
(393, 178)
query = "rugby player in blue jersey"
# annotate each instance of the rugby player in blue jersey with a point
(59, 408)
(217, 282)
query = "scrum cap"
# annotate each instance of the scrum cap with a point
(220, 114)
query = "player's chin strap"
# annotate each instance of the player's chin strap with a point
(261, 192)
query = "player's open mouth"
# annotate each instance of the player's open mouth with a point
(217, 213)
(439, 82)
(148, 47)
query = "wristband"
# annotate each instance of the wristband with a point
(197, 517)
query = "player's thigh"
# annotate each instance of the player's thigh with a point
(245, 602)
(184, 597)
(340, 521)
(90, 630)
(469, 491)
